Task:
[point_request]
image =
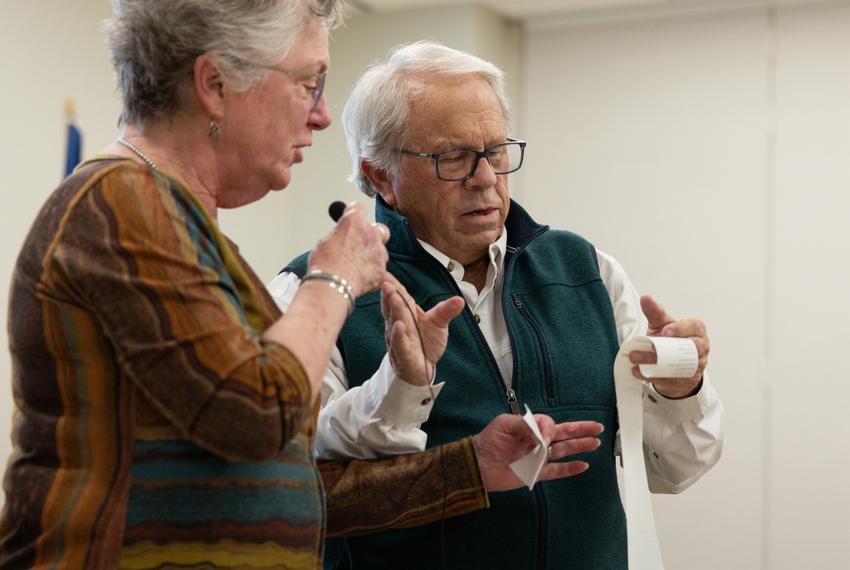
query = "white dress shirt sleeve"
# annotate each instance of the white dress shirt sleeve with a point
(381, 417)
(682, 439)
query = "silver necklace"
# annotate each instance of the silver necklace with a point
(137, 152)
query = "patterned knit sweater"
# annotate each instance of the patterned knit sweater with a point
(154, 427)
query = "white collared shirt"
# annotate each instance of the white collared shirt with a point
(486, 306)
(383, 416)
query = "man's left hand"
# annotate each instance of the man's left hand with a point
(409, 331)
(507, 438)
(662, 324)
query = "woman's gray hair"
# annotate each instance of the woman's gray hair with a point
(155, 43)
(375, 116)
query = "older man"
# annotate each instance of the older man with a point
(545, 314)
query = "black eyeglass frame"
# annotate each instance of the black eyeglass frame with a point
(479, 154)
(319, 88)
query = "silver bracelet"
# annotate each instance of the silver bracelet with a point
(335, 282)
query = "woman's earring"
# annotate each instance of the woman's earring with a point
(214, 129)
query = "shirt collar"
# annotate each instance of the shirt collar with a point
(496, 253)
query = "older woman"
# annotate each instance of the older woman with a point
(165, 408)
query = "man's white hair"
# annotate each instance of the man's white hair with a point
(375, 116)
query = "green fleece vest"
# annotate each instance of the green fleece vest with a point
(564, 341)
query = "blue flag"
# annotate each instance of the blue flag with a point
(74, 148)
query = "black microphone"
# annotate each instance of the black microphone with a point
(336, 209)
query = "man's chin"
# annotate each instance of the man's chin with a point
(485, 233)
(480, 241)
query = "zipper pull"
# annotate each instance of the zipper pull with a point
(512, 401)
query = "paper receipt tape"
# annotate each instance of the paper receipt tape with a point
(677, 358)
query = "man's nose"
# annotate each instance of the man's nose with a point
(483, 176)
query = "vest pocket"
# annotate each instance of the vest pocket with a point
(545, 359)
(568, 347)
(607, 416)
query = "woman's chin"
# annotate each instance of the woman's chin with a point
(279, 180)
(282, 179)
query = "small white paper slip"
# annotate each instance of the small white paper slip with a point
(677, 357)
(528, 468)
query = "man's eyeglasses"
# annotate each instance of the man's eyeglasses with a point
(460, 164)
(315, 90)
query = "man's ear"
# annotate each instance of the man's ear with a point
(209, 86)
(381, 181)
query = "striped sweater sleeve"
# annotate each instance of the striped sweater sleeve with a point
(181, 314)
(441, 482)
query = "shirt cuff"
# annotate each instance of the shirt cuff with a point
(691, 408)
(405, 405)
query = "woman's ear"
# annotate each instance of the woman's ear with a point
(209, 86)
(381, 181)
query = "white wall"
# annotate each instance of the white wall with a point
(810, 435)
(709, 153)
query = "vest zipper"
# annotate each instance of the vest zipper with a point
(542, 528)
(544, 350)
(542, 508)
(513, 403)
